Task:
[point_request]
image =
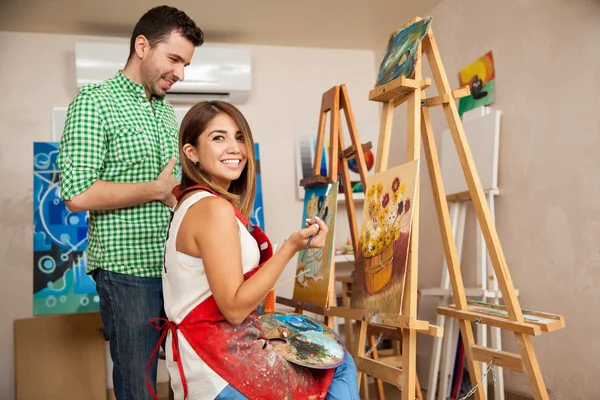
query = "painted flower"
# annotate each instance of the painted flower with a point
(371, 192)
(378, 189)
(385, 200)
(401, 207)
(374, 211)
(407, 205)
(396, 184)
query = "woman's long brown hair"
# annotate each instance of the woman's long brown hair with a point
(241, 191)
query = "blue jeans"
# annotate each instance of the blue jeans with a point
(127, 304)
(343, 387)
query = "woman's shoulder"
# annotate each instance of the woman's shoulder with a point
(212, 207)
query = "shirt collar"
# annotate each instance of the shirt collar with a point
(134, 88)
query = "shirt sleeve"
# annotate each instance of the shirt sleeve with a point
(82, 147)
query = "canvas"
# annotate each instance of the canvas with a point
(60, 284)
(481, 78)
(257, 215)
(380, 268)
(400, 54)
(312, 286)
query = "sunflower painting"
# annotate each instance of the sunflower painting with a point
(380, 269)
(313, 273)
(400, 55)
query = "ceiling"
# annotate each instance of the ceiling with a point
(347, 24)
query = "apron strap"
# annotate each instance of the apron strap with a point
(165, 328)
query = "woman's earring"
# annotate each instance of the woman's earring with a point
(195, 163)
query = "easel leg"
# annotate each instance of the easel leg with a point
(495, 333)
(418, 389)
(375, 356)
(361, 338)
(532, 368)
(439, 367)
(448, 349)
(409, 303)
(482, 284)
(348, 323)
(441, 204)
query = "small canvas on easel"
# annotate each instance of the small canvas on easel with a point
(400, 55)
(384, 238)
(481, 78)
(313, 272)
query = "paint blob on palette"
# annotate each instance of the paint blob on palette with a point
(309, 344)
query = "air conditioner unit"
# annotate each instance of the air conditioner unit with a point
(215, 72)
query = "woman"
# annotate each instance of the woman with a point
(217, 271)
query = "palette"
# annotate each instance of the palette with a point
(309, 343)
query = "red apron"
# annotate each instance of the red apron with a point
(241, 355)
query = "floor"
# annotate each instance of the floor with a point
(391, 393)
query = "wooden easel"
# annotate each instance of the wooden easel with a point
(522, 323)
(335, 100)
(331, 103)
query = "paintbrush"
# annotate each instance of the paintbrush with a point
(320, 216)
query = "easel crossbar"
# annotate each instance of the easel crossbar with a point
(394, 333)
(446, 98)
(379, 370)
(500, 358)
(491, 320)
(546, 321)
(372, 317)
(350, 151)
(301, 305)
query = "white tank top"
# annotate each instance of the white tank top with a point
(184, 287)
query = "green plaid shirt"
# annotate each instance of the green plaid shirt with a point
(114, 133)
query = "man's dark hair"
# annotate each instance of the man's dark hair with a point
(158, 23)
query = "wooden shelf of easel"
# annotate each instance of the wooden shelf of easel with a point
(398, 90)
(469, 292)
(545, 321)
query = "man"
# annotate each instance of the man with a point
(117, 158)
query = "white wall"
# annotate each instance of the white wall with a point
(38, 74)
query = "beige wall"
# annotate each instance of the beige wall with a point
(547, 66)
(38, 73)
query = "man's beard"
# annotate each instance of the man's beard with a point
(152, 79)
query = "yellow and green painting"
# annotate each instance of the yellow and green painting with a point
(481, 78)
(380, 268)
(313, 269)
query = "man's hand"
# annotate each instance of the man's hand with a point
(167, 182)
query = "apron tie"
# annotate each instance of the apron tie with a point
(165, 328)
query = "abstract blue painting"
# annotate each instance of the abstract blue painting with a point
(257, 215)
(60, 284)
